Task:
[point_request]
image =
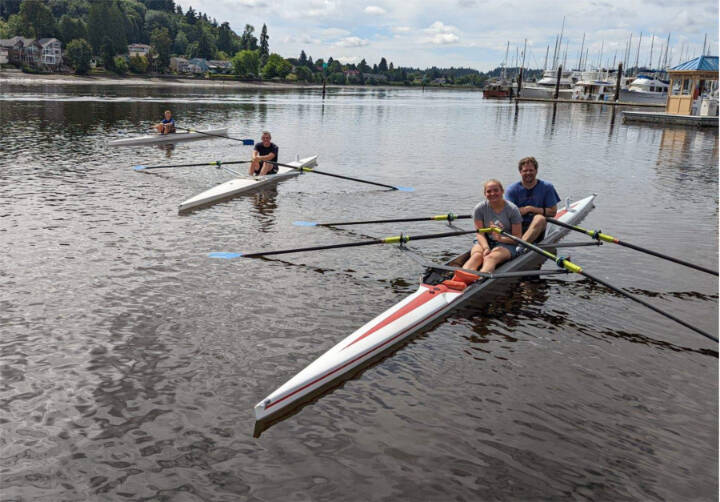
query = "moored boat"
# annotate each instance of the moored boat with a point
(239, 186)
(434, 299)
(177, 137)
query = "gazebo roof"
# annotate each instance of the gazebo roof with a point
(702, 63)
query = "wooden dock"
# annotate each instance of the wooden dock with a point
(669, 118)
(588, 102)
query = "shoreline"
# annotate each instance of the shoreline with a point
(17, 77)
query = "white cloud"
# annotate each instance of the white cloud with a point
(375, 10)
(400, 29)
(351, 42)
(443, 39)
(440, 27)
(333, 32)
(349, 59)
(439, 33)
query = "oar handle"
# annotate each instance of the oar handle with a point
(310, 170)
(439, 217)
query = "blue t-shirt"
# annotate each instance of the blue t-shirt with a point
(543, 194)
(166, 121)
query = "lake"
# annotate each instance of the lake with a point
(131, 361)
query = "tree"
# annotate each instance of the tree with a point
(337, 78)
(225, 41)
(161, 43)
(17, 27)
(363, 67)
(276, 66)
(138, 64)
(79, 53)
(206, 46)
(190, 16)
(248, 41)
(382, 67)
(4, 29)
(181, 43)
(108, 53)
(120, 66)
(264, 46)
(303, 58)
(71, 29)
(9, 7)
(246, 63)
(303, 73)
(334, 66)
(38, 17)
(155, 19)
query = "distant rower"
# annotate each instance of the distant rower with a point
(167, 126)
(265, 150)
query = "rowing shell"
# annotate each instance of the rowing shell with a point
(434, 299)
(239, 186)
(176, 137)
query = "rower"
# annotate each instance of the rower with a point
(536, 199)
(264, 150)
(492, 249)
(167, 126)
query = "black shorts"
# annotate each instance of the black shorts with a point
(274, 170)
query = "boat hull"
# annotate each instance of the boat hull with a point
(238, 186)
(655, 98)
(428, 305)
(161, 139)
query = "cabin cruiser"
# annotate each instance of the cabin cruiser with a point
(645, 89)
(545, 87)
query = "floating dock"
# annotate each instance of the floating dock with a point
(669, 118)
(590, 102)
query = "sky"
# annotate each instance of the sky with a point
(474, 33)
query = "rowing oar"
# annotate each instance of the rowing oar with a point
(440, 217)
(598, 235)
(311, 170)
(216, 163)
(568, 265)
(397, 239)
(249, 142)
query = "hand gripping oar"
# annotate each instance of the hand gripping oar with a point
(249, 142)
(598, 235)
(216, 163)
(397, 239)
(568, 265)
(450, 217)
(311, 170)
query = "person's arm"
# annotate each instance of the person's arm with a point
(516, 230)
(551, 211)
(481, 237)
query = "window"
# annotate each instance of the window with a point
(676, 84)
(686, 86)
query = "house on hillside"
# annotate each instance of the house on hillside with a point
(51, 53)
(138, 50)
(22, 51)
(218, 66)
(197, 65)
(4, 55)
(179, 65)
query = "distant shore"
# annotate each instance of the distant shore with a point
(19, 77)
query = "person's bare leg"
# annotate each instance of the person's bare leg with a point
(495, 258)
(254, 166)
(267, 167)
(536, 228)
(476, 258)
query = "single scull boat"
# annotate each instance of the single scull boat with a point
(239, 186)
(432, 301)
(177, 137)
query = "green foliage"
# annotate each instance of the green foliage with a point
(181, 43)
(138, 64)
(161, 42)
(226, 39)
(264, 46)
(246, 63)
(334, 67)
(303, 73)
(155, 19)
(248, 41)
(71, 28)
(105, 20)
(38, 17)
(17, 27)
(276, 66)
(4, 29)
(79, 53)
(206, 46)
(337, 78)
(120, 66)
(383, 66)
(9, 7)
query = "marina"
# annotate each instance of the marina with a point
(138, 365)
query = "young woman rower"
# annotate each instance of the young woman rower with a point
(492, 249)
(167, 126)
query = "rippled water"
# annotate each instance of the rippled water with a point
(131, 362)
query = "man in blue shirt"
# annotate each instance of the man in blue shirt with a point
(535, 198)
(167, 126)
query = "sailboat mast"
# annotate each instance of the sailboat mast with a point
(652, 44)
(637, 57)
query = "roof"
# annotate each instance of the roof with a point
(45, 41)
(702, 63)
(139, 46)
(11, 42)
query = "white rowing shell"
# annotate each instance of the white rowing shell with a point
(238, 186)
(177, 137)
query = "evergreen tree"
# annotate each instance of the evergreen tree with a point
(382, 67)
(70, 29)
(181, 43)
(363, 67)
(225, 40)
(161, 44)
(190, 16)
(115, 28)
(264, 46)
(303, 58)
(206, 46)
(38, 18)
(98, 15)
(108, 53)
